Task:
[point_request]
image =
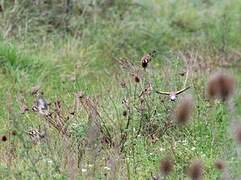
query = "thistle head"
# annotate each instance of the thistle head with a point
(184, 110)
(219, 165)
(166, 166)
(221, 85)
(4, 138)
(195, 170)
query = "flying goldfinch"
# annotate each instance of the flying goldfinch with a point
(173, 95)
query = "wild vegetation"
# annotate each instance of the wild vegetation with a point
(120, 89)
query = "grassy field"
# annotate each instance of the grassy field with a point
(120, 128)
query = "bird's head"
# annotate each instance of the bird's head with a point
(173, 96)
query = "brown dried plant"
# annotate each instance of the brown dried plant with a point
(130, 68)
(184, 110)
(195, 171)
(166, 166)
(96, 128)
(237, 133)
(221, 85)
(219, 164)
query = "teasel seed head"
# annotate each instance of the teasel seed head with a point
(1, 8)
(137, 78)
(219, 165)
(237, 134)
(195, 171)
(184, 110)
(221, 85)
(125, 113)
(166, 166)
(4, 138)
(14, 133)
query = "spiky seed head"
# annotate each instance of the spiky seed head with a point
(227, 84)
(1, 8)
(237, 134)
(221, 85)
(14, 133)
(212, 88)
(4, 138)
(137, 78)
(184, 110)
(166, 166)
(219, 165)
(125, 113)
(195, 171)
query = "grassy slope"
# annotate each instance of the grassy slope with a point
(162, 25)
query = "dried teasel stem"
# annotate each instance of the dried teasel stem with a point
(94, 116)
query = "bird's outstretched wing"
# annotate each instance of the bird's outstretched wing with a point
(182, 90)
(163, 93)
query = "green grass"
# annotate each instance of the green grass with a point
(84, 58)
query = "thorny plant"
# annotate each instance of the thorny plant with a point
(139, 102)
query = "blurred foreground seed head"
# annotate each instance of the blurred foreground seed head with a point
(219, 165)
(237, 133)
(195, 171)
(1, 8)
(166, 166)
(184, 110)
(221, 85)
(14, 133)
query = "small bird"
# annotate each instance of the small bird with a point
(173, 95)
(147, 58)
(42, 106)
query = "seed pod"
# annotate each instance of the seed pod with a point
(4, 138)
(183, 110)
(195, 171)
(219, 165)
(166, 166)
(237, 134)
(221, 85)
